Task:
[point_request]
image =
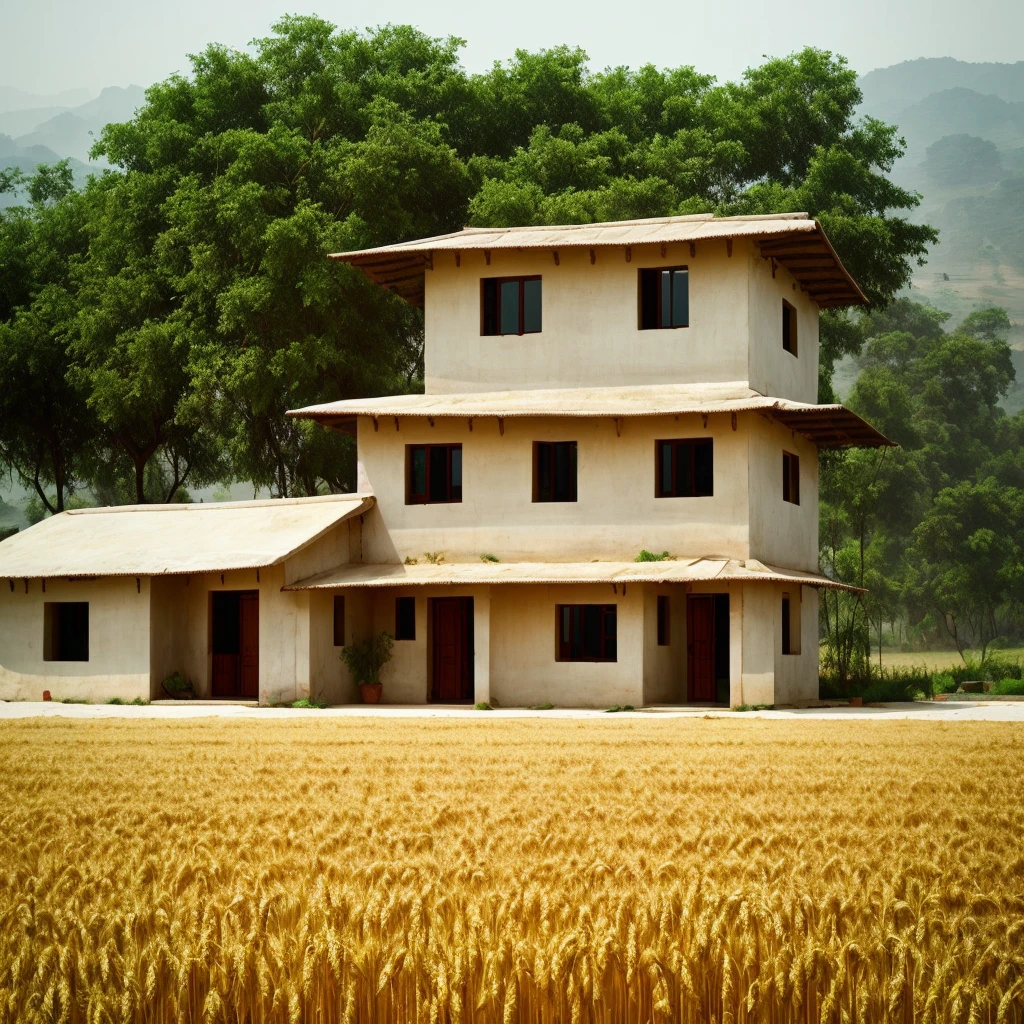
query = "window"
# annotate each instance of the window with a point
(510, 305)
(405, 618)
(790, 625)
(586, 632)
(664, 298)
(788, 327)
(339, 621)
(663, 621)
(66, 631)
(433, 473)
(684, 468)
(554, 471)
(791, 478)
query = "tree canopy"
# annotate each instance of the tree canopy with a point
(186, 297)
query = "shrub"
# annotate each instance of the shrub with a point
(366, 659)
(482, 705)
(306, 702)
(943, 682)
(882, 686)
(177, 683)
(650, 556)
(488, 557)
(1009, 687)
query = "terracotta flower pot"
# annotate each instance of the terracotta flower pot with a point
(370, 692)
(856, 702)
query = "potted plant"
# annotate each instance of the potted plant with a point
(365, 660)
(178, 687)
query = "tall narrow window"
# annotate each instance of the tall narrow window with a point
(790, 625)
(554, 471)
(789, 327)
(433, 474)
(66, 631)
(339, 620)
(586, 632)
(663, 621)
(405, 618)
(684, 468)
(510, 305)
(664, 298)
(791, 478)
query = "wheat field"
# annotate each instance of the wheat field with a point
(511, 870)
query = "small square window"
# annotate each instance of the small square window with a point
(339, 620)
(554, 471)
(791, 478)
(66, 631)
(663, 621)
(510, 305)
(664, 298)
(585, 632)
(684, 468)
(405, 618)
(789, 339)
(433, 474)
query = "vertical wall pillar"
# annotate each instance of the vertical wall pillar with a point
(482, 645)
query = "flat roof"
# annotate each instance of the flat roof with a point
(793, 240)
(683, 570)
(159, 540)
(828, 426)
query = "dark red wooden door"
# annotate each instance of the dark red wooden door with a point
(452, 643)
(249, 616)
(700, 647)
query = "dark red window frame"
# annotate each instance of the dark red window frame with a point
(549, 458)
(586, 632)
(664, 619)
(678, 475)
(490, 306)
(442, 474)
(791, 478)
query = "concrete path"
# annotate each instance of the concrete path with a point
(925, 711)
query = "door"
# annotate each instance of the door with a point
(700, 648)
(452, 650)
(249, 615)
(235, 637)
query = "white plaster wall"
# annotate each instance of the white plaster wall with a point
(782, 533)
(590, 332)
(524, 670)
(119, 656)
(796, 675)
(665, 666)
(772, 370)
(615, 516)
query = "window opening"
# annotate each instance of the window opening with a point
(684, 468)
(554, 471)
(664, 298)
(586, 632)
(433, 474)
(510, 305)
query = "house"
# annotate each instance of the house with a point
(592, 392)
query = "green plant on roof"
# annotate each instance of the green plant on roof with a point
(650, 556)
(434, 557)
(409, 560)
(488, 557)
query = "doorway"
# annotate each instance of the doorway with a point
(235, 640)
(707, 648)
(451, 642)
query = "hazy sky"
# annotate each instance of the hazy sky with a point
(50, 45)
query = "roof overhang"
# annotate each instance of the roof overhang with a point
(686, 570)
(828, 426)
(793, 240)
(167, 540)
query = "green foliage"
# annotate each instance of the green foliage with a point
(486, 557)
(306, 702)
(619, 707)
(482, 705)
(542, 707)
(366, 658)
(649, 556)
(7, 531)
(943, 682)
(1009, 688)
(177, 683)
(880, 686)
(158, 323)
